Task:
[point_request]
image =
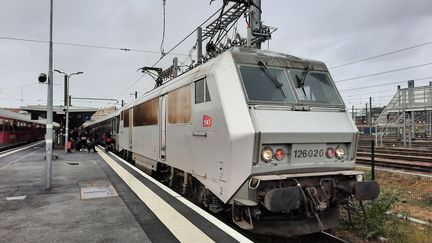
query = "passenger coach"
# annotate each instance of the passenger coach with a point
(17, 129)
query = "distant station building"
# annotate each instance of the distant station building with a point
(102, 112)
(77, 115)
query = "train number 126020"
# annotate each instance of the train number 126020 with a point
(308, 153)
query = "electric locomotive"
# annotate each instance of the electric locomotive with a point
(262, 134)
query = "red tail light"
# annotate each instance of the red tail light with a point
(330, 153)
(280, 154)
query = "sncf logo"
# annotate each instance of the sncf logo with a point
(207, 121)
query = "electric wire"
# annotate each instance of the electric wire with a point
(19, 86)
(179, 43)
(8, 95)
(373, 97)
(384, 84)
(163, 28)
(170, 50)
(16, 99)
(87, 45)
(380, 55)
(94, 90)
(367, 93)
(380, 73)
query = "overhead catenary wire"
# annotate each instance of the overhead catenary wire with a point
(94, 90)
(170, 50)
(185, 38)
(17, 99)
(380, 73)
(8, 95)
(373, 97)
(380, 55)
(364, 95)
(384, 84)
(352, 97)
(368, 93)
(87, 45)
(18, 86)
(163, 28)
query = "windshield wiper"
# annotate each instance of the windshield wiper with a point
(301, 81)
(272, 76)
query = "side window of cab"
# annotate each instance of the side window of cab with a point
(202, 93)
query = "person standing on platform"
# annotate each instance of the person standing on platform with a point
(74, 137)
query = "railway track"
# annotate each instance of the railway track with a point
(425, 145)
(401, 166)
(18, 146)
(321, 237)
(418, 160)
(408, 152)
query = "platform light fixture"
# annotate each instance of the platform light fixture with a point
(67, 103)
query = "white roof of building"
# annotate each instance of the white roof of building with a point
(17, 116)
(59, 109)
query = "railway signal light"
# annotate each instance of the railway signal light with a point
(42, 78)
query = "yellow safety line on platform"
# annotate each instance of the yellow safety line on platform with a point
(182, 228)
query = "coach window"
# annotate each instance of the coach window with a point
(1, 125)
(146, 114)
(202, 93)
(116, 122)
(179, 105)
(126, 118)
(7, 126)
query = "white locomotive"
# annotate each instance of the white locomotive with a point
(263, 133)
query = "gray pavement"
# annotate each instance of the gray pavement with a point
(60, 214)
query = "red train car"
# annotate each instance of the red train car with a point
(17, 129)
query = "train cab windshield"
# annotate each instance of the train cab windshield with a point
(314, 87)
(288, 86)
(264, 84)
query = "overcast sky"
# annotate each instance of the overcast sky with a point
(334, 31)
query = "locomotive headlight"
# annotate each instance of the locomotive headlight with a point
(267, 154)
(340, 152)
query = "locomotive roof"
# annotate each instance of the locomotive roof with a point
(241, 55)
(253, 56)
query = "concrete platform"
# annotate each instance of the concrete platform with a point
(96, 197)
(59, 214)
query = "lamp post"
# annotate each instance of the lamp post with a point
(67, 104)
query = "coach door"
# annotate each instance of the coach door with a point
(163, 127)
(130, 121)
